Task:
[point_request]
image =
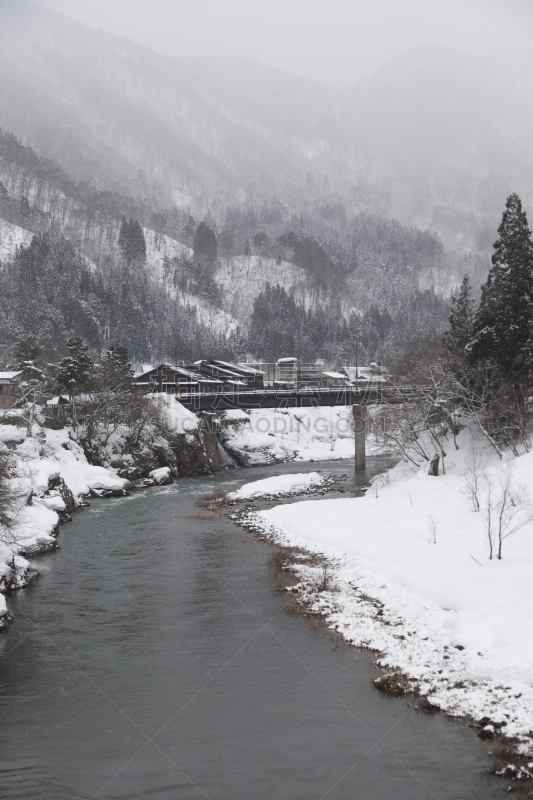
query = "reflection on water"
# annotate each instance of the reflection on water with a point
(153, 659)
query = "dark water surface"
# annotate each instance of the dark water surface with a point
(153, 659)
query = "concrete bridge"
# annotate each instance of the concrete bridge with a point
(303, 398)
(292, 398)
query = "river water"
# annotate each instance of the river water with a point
(153, 659)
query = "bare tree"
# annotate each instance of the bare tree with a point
(474, 477)
(506, 508)
(432, 525)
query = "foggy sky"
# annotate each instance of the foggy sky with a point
(328, 40)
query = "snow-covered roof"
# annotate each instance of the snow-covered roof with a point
(194, 376)
(254, 371)
(336, 375)
(56, 401)
(237, 383)
(158, 366)
(241, 367)
(285, 360)
(8, 376)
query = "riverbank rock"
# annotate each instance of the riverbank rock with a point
(5, 620)
(193, 452)
(18, 575)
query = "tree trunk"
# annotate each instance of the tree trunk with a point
(434, 465)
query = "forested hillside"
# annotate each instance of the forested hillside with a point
(263, 280)
(420, 140)
(187, 207)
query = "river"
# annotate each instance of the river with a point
(153, 659)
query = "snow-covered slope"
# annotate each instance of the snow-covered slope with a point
(11, 237)
(159, 245)
(218, 320)
(242, 278)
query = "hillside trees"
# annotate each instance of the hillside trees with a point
(131, 241)
(460, 325)
(205, 246)
(76, 369)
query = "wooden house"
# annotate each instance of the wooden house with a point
(55, 410)
(177, 380)
(10, 390)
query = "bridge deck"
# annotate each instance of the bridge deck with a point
(289, 398)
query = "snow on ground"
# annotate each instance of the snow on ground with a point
(11, 237)
(264, 436)
(242, 278)
(210, 316)
(278, 485)
(412, 579)
(159, 245)
(177, 418)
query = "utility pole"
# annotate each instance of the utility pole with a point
(73, 405)
(356, 365)
(359, 418)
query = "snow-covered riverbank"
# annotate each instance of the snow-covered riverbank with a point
(409, 575)
(51, 477)
(280, 486)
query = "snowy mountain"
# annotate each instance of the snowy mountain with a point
(365, 209)
(422, 140)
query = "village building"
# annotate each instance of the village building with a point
(281, 372)
(10, 390)
(177, 380)
(236, 377)
(375, 373)
(335, 379)
(55, 411)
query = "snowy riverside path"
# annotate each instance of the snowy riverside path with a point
(154, 659)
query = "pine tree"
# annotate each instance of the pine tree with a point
(138, 242)
(460, 325)
(28, 355)
(116, 362)
(503, 324)
(27, 350)
(76, 369)
(25, 210)
(205, 246)
(131, 241)
(124, 237)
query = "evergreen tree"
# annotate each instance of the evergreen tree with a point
(131, 241)
(76, 369)
(460, 325)
(27, 350)
(138, 242)
(116, 362)
(25, 210)
(503, 324)
(123, 237)
(205, 246)
(28, 355)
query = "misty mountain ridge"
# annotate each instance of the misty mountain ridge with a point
(365, 183)
(417, 140)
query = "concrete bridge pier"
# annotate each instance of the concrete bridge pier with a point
(359, 418)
